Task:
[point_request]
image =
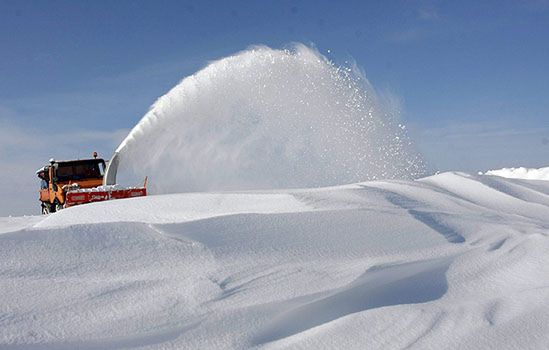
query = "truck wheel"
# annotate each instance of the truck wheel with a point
(58, 206)
(46, 208)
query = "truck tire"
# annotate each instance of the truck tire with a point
(46, 208)
(58, 206)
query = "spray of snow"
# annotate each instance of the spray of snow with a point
(267, 118)
(522, 173)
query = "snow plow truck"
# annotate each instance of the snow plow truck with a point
(73, 182)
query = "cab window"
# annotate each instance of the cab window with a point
(78, 171)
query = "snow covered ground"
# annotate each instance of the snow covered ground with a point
(452, 261)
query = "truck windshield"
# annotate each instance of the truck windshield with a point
(80, 170)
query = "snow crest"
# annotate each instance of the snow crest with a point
(522, 173)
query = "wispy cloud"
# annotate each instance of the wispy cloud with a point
(428, 14)
(111, 100)
(427, 18)
(407, 35)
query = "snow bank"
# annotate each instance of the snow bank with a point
(522, 173)
(263, 119)
(452, 261)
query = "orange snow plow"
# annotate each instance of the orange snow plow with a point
(74, 182)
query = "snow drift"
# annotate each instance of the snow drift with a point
(522, 173)
(452, 261)
(267, 118)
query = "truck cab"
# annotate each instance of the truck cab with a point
(58, 177)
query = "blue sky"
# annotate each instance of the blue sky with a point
(472, 77)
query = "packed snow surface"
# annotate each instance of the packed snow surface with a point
(522, 173)
(266, 118)
(452, 261)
